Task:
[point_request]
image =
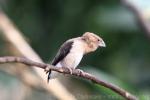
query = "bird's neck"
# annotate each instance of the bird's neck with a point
(89, 48)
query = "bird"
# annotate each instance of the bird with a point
(72, 51)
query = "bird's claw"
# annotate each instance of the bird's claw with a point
(70, 70)
(80, 72)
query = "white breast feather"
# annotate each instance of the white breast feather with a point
(74, 57)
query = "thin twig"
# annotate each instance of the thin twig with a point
(120, 91)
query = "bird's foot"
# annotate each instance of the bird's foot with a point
(70, 69)
(80, 72)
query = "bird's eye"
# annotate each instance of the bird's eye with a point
(98, 40)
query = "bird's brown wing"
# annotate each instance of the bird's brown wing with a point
(62, 53)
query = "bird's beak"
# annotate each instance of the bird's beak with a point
(102, 44)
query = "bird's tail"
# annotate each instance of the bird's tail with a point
(53, 74)
(49, 76)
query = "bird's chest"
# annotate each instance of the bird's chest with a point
(73, 58)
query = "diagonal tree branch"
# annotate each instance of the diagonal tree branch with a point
(15, 38)
(47, 67)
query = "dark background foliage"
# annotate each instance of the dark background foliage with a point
(46, 24)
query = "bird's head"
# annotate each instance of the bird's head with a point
(93, 41)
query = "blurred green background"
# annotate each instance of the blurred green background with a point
(46, 24)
